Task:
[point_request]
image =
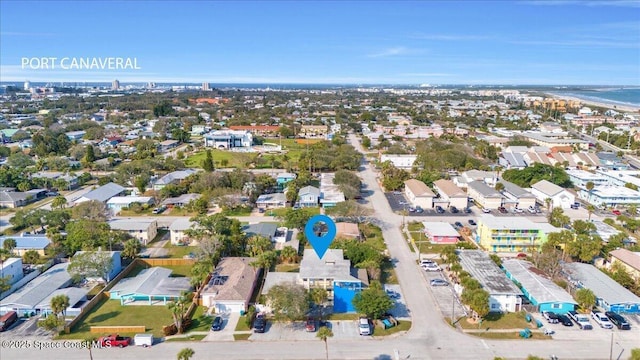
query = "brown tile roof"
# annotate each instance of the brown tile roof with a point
(418, 188)
(628, 257)
(237, 279)
(449, 188)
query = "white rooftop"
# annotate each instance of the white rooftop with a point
(439, 228)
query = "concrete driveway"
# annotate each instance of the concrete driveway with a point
(229, 322)
(342, 330)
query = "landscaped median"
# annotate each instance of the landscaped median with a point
(500, 326)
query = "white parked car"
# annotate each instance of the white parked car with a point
(601, 319)
(532, 209)
(431, 267)
(518, 210)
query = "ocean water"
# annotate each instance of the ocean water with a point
(622, 96)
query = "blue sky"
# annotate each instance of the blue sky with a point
(401, 42)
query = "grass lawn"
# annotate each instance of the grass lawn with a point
(179, 270)
(179, 251)
(242, 211)
(242, 324)
(188, 338)
(343, 316)
(415, 226)
(403, 325)
(373, 236)
(288, 268)
(509, 335)
(111, 313)
(388, 275)
(200, 320)
(241, 336)
(178, 211)
(232, 159)
(500, 321)
(128, 212)
(159, 236)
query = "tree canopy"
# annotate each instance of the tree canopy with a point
(532, 174)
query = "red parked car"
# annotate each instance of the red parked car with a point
(115, 341)
(616, 212)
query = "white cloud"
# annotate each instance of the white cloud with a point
(400, 50)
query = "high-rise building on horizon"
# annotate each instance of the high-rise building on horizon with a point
(205, 86)
(115, 85)
(27, 85)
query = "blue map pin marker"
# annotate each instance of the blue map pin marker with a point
(320, 244)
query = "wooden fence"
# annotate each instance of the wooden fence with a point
(166, 262)
(117, 329)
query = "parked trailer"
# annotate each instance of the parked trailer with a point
(143, 340)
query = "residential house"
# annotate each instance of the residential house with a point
(516, 197)
(177, 231)
(560, 197)
(401, 161)
(539, 289)
(25, 300)
(102, 194)
(308, 196)
(180, 201)
(51, 177)
(347, 230)
(145, 230)
(25, 242)
(283, 179)
(504, 295)
(264, 229)
(313, 131)
(629, 260)
(231, 285)
(511, 160)
(152, 286)
(75, 135)
(580, 178)
(229, 139)
(511, 234)
(271, 201)
(167, 145)
(258, 130)
(419, 193)
(488, 177)
(484, 195)
(330, 193)
(332, 273)
(12, 269)
(14, 199)
(77, 299)
(117, 203)
(610, 295)
(116, 263)
(173, 178)
(450, 194)
(440, 232)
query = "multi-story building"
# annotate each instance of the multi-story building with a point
(450, 194)
(511, 234)
(419, 193)
(228, 139)
(611, 196)
(401, 161)
(484, 195)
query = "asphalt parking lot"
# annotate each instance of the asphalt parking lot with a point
(26, 328)
(596, 334)
(275, 331)
(398, 202)
(445, 297)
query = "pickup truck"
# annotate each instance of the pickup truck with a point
(115, 341)
(581, 320)
(601, 319)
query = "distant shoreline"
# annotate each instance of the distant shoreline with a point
(602, 103)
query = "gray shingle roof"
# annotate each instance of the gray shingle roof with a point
(485, 190)
(546, 187)
(489, 275)
(155, 281)
(103, 193)
(604, 287)
(267, 230)
(332, 266)
(35, 291)
(236, 279)
(541, 288)
(516, 190)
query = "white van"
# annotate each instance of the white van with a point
(363, 326)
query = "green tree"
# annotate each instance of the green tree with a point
(289, 255)
(31, 257)
(635, 354)
(288, 301)
(179, 308)
(186, 354)
(5, 284)
(207, 163)
(585, 298)
(9, 245)
(590, 210)
(51, 323)
(557, 218)
(318, 296)
(266, 260)
(90, 156)
(296, 218)
(91, 264)
(258, 245)
(199, 272)
(59, 202)
(373, 301)
(131, 249)
(59, 304)
(92, 210)
(323, 334)
(499, 186)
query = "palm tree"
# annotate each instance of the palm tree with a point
(9, 245)
(59, 304)
(323, 334)
(590, 209)
(289, 254)
(549, 202)
(590, 185)
(185, 354)
(499, 186)
(59, 202)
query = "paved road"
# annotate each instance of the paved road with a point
(429, 338)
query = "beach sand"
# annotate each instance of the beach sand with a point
(613, 106)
